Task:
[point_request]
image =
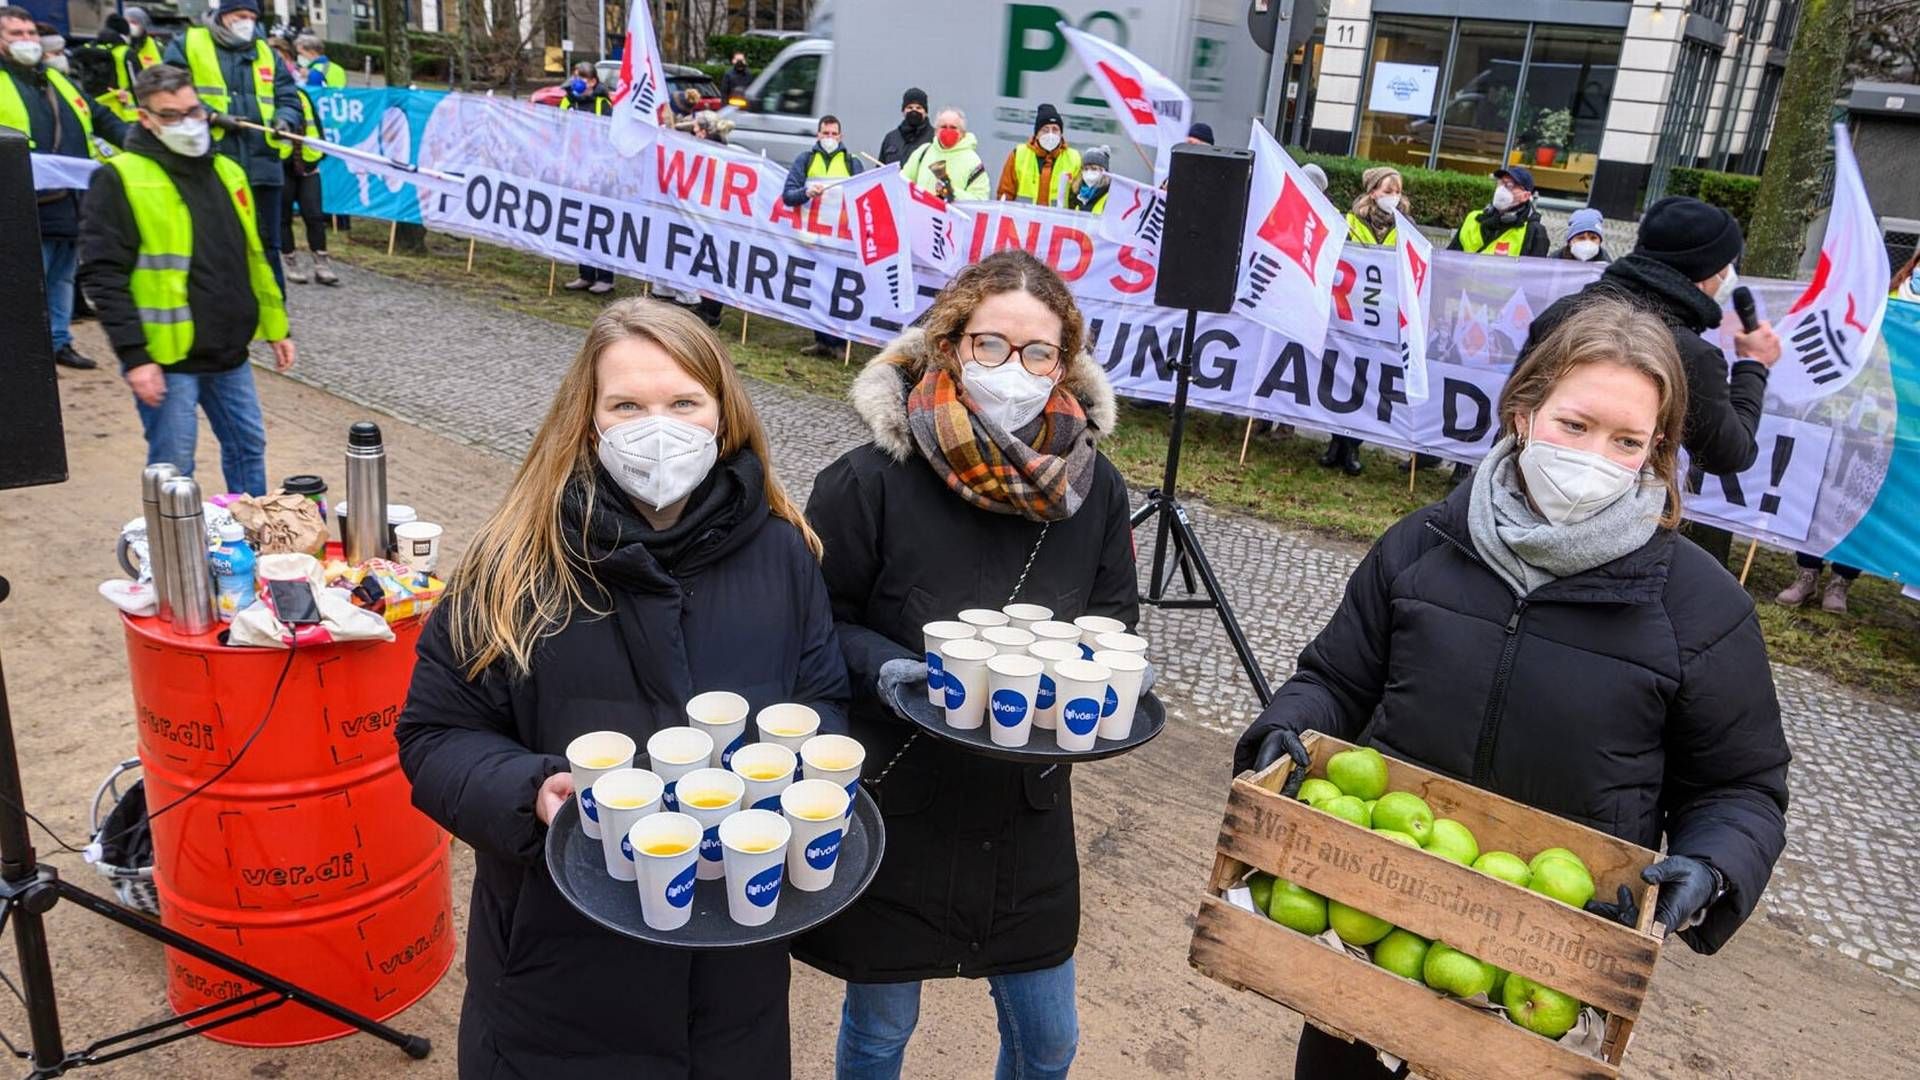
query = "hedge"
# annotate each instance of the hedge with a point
(1731, 192)
(759, 51)
(1439, 197)
(425, 64)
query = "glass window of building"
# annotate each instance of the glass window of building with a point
(1399, 105)
(1569, 83)
(1477, 114)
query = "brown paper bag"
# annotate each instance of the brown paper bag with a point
(282, 524)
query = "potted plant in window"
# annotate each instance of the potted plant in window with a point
(1553, 128)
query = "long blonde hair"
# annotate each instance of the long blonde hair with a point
(520, 580)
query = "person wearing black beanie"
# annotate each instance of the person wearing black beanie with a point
(1044, 170)
(913, 131)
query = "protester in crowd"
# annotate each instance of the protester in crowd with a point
(827, 159)
(585, 91)
(983, 486)
(172, 257)
(575, 611)
(1585, 241)
(735, 82)
(1682, 270)
(1370, 220)
(912, 132)
(228, 53)
(950, 165)
(685, 104)
(1091, 195)
(1545, 633)
(1806, 583)
(53, 48)
(132, 51)
(1044, 170)
(1316, 176)
(1905, 286)
(1201, 134)
(58, 120)
(319, 70)
(301, 169)
(1509, 225)
(712, 127)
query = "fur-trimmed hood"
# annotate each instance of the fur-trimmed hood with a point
(880, 392)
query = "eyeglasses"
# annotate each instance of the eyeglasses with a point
(992, 350)
(174, 116)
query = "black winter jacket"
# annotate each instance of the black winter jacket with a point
(1634, 698)
(981, 876)
(899, 144)
(56, 130)
(729, 598)
(1723, 410)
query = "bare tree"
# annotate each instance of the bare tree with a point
(1886, 40)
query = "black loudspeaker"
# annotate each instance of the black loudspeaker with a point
(33, 447)
(1207, 190)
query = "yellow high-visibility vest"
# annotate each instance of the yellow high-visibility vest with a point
(203, 62)
(1026, 174)
(1360, 232)
(1508, 242)
(13, 108)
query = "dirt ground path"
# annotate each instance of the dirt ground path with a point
(1768, 1005)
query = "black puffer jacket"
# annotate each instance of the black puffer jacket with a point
(981, 876)
(1634, 698)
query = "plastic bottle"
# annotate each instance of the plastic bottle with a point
(232, 563)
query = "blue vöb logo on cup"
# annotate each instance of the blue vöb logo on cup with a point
(1112, 703)
(1081, 715)
(710, 844)
(1086, 651)
(669, 798)
(626, 848)
(823, 850)
(1009, 707)
(726, 756)
(936, 672)
(1048, 692)
(763, 888)
(771, 802)
(853, 789)
(680, 889)
(956, 692)
(588, 806)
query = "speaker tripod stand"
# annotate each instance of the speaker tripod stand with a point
(1176, 528)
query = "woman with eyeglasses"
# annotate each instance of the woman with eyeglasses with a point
(983, 486)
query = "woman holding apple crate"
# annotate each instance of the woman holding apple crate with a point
(1546, 634)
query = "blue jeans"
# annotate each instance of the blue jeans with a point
(233, 410)
(1039, 1027)
(58, 259)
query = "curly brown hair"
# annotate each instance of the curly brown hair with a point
(1002, 272)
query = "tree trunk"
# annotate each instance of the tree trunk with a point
(399, 52)
(1789, 188)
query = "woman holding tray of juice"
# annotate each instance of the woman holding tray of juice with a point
(983, 475)
(1546, 634)
(644, 553)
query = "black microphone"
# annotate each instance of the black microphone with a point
(1743, 307)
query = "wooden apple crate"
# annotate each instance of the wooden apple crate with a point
(1599, 961)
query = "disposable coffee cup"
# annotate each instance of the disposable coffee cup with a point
(1125, 672)
(966, 665)
(981, 618)
(590, 757)
(722, 714)
(1013, 685)
(710, 796)
(1007, 639)
(419, 545)
(666, 847)
(836, 758)
(1120, 642)
(1023, 616)
(817, 812)
(673, 753)
(1082, 688)
(1052, 630)
(1091, 627)
(1046, 703)
(937, 634)
(788, 724)
(624, 796)
(754, 846)
(766, 768)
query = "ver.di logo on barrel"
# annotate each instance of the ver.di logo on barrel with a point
(763, 888)
(1080, 715)
(680, 889)
(1009, 707)
(823, 850)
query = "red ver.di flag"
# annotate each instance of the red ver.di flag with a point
(1152, 107)
(877, 202)
(1827, 335)
(1290, 248)
(640, 106)
(1135, 214)
(1414, 258)
(936, 227)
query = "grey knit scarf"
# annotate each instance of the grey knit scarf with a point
(1526, 551)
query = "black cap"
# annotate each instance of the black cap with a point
(364, 433)
(1044, 115)
(1695, 238)
(913, 96)
(1203, 132)
(304, 484)
(1518, 174)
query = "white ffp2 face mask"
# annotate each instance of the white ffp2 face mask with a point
(1009, 395)
(242, 29)
(26, 53)
(828, 146)
(657, 459)
(1503, 198)
(1049, 141)
(188, 138)
(1724, 290)
(1584, 249)
(1569, 486)
(1387, 202)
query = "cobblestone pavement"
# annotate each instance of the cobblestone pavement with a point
(484, 375)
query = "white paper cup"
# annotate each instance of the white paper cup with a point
(1013, 685)
(1082, 689)
(624, 796)
(590, 757)
(1121, 642)
(665, 848)
(419, 544)
(766, 768)
(817, 811)
(966, 666)
(1007, 639)
(938, 634)
(721, 791)
(1023, 616)
(1055, 631)
(1091, 627)
(1046, 703)
(1125, 672)
(722, 714)
(754, 843)
(673, 753)
(835, 758)
(981, 618)
(788, 724)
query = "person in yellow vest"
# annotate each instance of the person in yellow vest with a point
(134, 52)
(1091, 195)
(235, 74)
(808, 178)
(301, 168)
(949, 167)
(320, 72)
(1509, 225)
(171, 255)
(1370, 218)
(1044, 169)
(59, 122)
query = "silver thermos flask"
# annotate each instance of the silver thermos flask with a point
(190, 578)
(159, 560)
(366, 535)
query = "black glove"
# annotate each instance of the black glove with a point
(1689, 887)
(282, 126)
(1283, 741)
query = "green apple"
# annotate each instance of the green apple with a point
(1452, 840)
(1361, 772)
(1315, 791)
(1260, 884)
(1563, 879)
(1354, 926)
(1348, 808)
(1396, 834)
(1403, 953)
(1499, 984)
(1451, 971)
(1540, 1009)
(1370, 804)
(1554, 853)
(1504, 865)
(1406, 812)
(1296, 908)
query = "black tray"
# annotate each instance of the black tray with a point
(910, 701)
(580, 870)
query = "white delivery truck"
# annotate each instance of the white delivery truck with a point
(997, 62)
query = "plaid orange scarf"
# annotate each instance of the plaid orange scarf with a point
(1046, 480)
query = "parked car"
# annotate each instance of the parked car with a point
(680, 79)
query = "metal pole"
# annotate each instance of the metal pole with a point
(1169, 485)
